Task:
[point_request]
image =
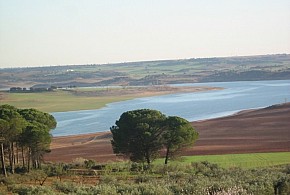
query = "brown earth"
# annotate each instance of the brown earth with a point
(262, 130)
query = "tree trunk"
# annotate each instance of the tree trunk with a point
(39, 164)
(17, 154)
(11, 159)
(9, 154)
(3, 160)
(28, 160)
(35, 164)
(166, 156)
(23, 157)
(148, 158)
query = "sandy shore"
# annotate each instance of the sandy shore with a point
(262, 130)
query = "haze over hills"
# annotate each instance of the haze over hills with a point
(260, 67)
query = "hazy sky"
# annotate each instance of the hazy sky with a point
(56, 32)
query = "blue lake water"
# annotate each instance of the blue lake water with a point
(235, 97)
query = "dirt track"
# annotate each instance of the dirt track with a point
(263, 130)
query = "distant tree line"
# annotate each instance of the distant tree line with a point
(36, 89)
(29, 90)
(24, 137)
(246, 75)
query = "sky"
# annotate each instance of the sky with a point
(62, 32)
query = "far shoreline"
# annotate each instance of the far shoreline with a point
(74, 100)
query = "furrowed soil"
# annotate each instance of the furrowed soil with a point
(251, 131)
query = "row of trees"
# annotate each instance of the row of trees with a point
(25, 137)
(142, 134)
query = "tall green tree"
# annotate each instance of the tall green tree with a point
(179, 134)
(36, 136)
(36, 139)
(138, 133)
(15, 126)
(28, 129)
(3, 129)
(32, 116)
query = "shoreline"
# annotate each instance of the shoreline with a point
(194, 121)
(79, 100)
(151, 92)
(248, 131)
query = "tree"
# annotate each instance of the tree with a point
(11, 135)
(179, 134)
(37, 139)
(138, 134)
(3, 128)
(36, 136)
(32, 116)
(28, 129)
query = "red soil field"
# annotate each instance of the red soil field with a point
(262, 130)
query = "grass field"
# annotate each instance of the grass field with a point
(59, 101)
(251, 160)
(86, 98)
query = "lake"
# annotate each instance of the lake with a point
(235, 97)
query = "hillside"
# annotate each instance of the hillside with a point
(262, 130)
(264, 67)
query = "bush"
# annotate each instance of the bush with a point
(32, 190)
(136, 167)
(89, 164)
(79, 162)
(37, 176)
(141, 178)
(21, 170)
(65, 187)
(14, 179)
(108, 179)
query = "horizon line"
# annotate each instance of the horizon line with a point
(139, 61)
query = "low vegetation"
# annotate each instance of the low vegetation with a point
(249, 160)
(88, 177)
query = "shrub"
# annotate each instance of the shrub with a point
(37, 176)
(32, 190)
(136, 167)
(21, 170)
(141, 178)
(89, 163)
(14, 179)
(79, 162)
(65, 187)
(108, 179)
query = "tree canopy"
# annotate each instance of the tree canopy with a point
(25, 129)
(141, 134)
(137, 133)
(179, 134)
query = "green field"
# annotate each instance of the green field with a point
(251, 160)
(59, 101)
(88, 98)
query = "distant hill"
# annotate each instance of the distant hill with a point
(262, 67)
